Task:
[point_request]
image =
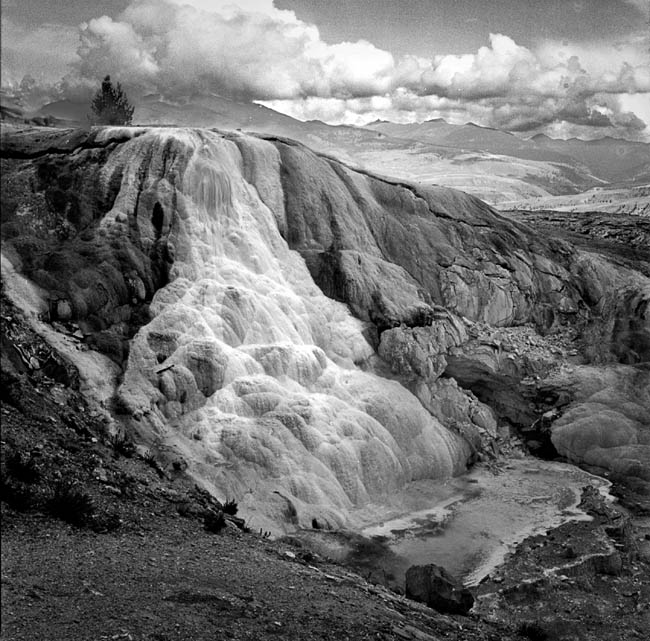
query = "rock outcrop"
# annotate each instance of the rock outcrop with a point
(607, 424)
(295, 331)
(433, 585)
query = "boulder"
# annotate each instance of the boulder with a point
(418, 352)
(433, 585)
(607, 426)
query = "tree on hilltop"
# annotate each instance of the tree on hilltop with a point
(110, 106)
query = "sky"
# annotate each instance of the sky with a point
(561, 67)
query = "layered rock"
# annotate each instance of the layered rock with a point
(606, 426)
(433, 585)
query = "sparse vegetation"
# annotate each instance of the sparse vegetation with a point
(149, 458)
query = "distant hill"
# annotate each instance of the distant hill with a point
(611, 159)
(67, 111)
(470, 137)
(10, 108)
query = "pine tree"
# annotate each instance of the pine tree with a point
(110, 106)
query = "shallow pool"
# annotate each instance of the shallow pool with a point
(469, 524)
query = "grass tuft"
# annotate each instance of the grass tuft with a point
(230, 507)
(72, 505)
(121, 444)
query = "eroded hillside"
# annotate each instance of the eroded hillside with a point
(295, 333)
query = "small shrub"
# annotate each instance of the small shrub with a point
(230, 507)
(121, 444)
(72, 505)
(179, 465)
(19, 496)
(23, 468)
(149, 458)
(214, 521)
(186, 509)
(533, 631)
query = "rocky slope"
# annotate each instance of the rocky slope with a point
(289, 331)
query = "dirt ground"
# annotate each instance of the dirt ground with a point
(173, 580)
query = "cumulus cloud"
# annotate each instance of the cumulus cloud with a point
(245, 50)
(575, 90)
(252, 50)
(603, 115)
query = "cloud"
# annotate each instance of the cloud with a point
(603, 115)
(244, 50)
(561, 88)
(251, 50)
(507, 69)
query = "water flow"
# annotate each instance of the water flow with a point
(259, 389)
